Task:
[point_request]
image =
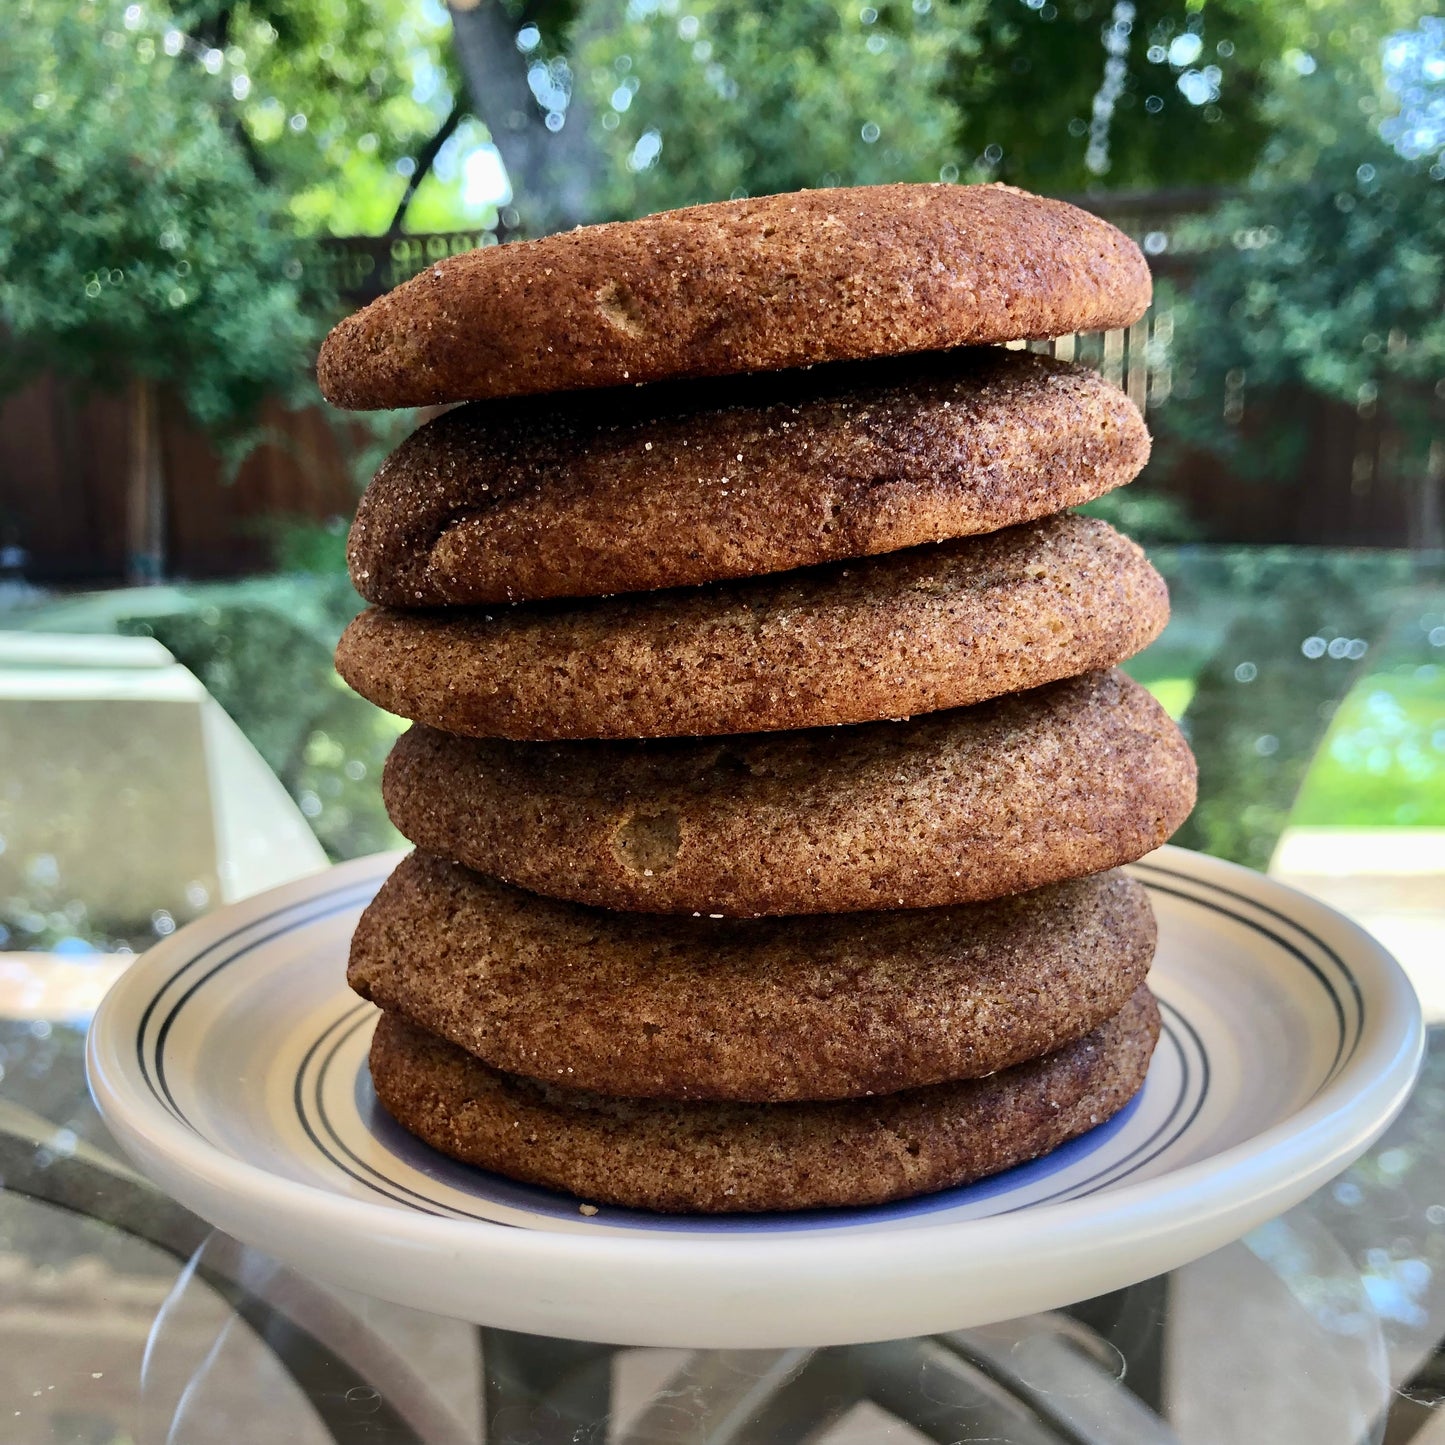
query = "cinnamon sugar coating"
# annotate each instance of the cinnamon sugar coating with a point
(719, 1158)
(934, 627)
(670, 486)
(950, 808)
(772, 1009)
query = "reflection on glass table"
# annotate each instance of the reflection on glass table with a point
(124, 1318)
(1313, 687)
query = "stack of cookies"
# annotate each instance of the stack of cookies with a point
(770, 771)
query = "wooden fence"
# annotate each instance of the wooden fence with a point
(1347, 488)
(63, 456)
(63, 487)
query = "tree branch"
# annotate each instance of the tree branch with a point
(214, 32)
(551, 174)
(425, 159)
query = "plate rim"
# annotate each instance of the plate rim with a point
(1281, 1163)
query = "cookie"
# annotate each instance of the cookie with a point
(763, 1009)
(952, 808)
(673, 486)
(748, 285)
(717, 1158)
(934, 627)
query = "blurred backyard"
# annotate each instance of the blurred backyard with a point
(193, 191)
(190, 193)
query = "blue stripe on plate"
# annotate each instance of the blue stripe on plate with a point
(326, 906)
(1346, 1031)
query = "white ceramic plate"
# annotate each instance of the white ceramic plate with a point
(230, 1062)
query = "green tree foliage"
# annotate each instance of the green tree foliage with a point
(1327, 278)
(1331, 88)
(695, 101)
(1074, 95)
(1184, 105)
(135, 237)
(333, 98)
(161, 166)
(1336, 283)
(724, 97)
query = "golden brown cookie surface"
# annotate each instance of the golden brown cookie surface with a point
(729, 1158)
(673, 486)
(951, 808)
(824, 1007)
(935, 627)
(737, 286)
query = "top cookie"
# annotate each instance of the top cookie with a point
(671, 486)
(751, 285)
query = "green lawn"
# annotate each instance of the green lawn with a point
(1173, 693)
(1382, 762)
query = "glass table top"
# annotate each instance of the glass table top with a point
(125, 1319)
(1313, 689)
